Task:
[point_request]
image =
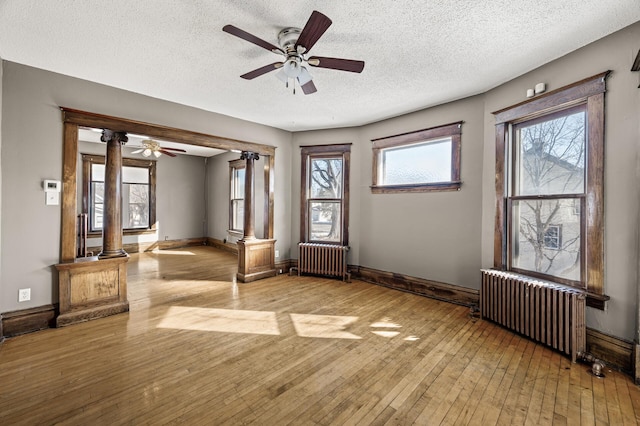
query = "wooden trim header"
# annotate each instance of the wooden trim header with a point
(90, 119)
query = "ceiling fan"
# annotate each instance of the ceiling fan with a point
(295, 45)
(150, 147)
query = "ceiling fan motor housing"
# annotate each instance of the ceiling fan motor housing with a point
(287, 39)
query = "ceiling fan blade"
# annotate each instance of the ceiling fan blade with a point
(262, 70)
(173, 149)
(251, 38)
(138, 151)
(313, 30)
(336, 64)
(170, 154)
(309, 88)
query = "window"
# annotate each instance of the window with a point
(325, 194)
(422, 161)
(138, 193)
(553, 237)
(236, 203)
(549, 186)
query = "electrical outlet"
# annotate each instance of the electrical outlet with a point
(24, 295)
(166, 237)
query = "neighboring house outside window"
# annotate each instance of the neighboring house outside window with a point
(422, 161)
(324, 213)
(138, 193)
(549, 187)
(236, 197)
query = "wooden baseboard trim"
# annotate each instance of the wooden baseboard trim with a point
(283, 266)
(615, 352)
(156, 245)
(423, 287)
(214, 242)
(75, 317)
(27, 320)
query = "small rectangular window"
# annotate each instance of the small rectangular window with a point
(422, 161)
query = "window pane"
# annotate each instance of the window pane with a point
(97, 172)
(326, 178)
(551, 156)
(135, 206)
(325, 219)
(237, 214)
(546, 237)
(238, 183)
(421, 163)
(135, 174)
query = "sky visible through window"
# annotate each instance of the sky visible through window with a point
(420, 163)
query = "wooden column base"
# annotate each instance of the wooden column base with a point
(256, 260)
(110, 254)
(90, 288)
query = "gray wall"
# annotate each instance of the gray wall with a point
(429, 235)
(32, 151)
(622, 112)
(180, 196)
(444, 236)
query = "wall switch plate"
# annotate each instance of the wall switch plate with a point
(24, 295)
(277, 254)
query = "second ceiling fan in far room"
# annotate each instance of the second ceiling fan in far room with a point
(295, 45)
(150, 147)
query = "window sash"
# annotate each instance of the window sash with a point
(591, 92)
(236, 195)
(381, 183)
(313, 223)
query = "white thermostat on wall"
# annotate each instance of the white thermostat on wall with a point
(52, 192)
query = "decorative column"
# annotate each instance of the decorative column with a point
(256, 257)
(112, 208)
(249, 194)
(96, 287)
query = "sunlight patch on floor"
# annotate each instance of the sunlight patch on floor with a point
(221, 320)
(174, 252)
(323, 326)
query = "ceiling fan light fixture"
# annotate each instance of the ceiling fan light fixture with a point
(292, 67)
(146, 152)
(157, 154)
(304, 76)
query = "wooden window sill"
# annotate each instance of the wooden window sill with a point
(430, 187)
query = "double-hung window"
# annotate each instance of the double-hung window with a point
(236, 198)
(138, 193)
(549, 187)
(325, 194)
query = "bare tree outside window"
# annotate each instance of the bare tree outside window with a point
(548, 188)
(325, 194)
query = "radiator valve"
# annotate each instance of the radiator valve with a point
(597, 365)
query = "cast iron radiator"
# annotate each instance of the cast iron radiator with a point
(323, 259)
(549, 313)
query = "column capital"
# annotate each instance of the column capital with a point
(109, 135)
(249, 155)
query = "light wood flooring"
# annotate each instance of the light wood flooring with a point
(197, 348)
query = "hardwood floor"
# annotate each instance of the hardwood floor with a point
(198, 349)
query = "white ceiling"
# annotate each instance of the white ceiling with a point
(418, 53)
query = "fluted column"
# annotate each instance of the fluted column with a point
(249, 194)
(112, 208)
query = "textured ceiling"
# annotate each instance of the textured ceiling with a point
(417, 53)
